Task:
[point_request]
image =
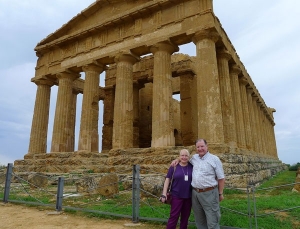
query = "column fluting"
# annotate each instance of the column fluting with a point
(39, 127)
(162, 118)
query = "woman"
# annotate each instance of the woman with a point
(181, 202)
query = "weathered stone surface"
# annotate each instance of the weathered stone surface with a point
(141, 75)
(37, 180)
(151, 184)
(105, 185)
(241, 167)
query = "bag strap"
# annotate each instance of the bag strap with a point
(170, 185)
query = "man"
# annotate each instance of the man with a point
(208, 182)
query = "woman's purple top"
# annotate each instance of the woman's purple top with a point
(181, 186)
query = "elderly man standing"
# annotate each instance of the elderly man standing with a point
(208, 182)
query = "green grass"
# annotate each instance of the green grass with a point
(272, 196)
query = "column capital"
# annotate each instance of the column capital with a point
(96, 67)
(206, 34)
(249, 89)
(68, 74)
(138, 84)
(235, 69)
(243, 80)
(223, 53)
(164, 46)
(44, 82)
(126, 57)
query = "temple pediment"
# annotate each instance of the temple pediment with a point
(100, 14)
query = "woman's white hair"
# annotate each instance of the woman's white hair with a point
(185, 150)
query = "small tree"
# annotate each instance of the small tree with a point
(294, 167)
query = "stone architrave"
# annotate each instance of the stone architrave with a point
(88, 136)
(210, 124)
(39, 128)
(123, 111)
(63, 112)
(226, 98)
(236, 97)
(162, 121)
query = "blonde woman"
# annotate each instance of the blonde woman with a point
(181, 189)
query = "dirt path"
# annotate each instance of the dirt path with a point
(19, 216)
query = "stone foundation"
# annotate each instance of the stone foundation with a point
(241, 167)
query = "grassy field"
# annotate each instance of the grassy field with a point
(269, 202)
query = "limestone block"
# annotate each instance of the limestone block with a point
(105, 185)
(37, 180)
(150, 184)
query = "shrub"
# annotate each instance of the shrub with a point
(294, 167)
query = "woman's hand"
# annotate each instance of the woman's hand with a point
(162, 198)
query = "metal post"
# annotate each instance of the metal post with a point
(254, 206)
(135, 193)
(60, 192)
(249, 206)
(7, 182)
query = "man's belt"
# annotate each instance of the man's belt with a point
(204, 189)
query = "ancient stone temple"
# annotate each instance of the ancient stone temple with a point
(134, 44)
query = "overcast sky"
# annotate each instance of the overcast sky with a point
(264, 33)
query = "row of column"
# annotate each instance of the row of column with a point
(245, 122)
(227, 110)
(126, 101)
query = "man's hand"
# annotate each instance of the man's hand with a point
(174, 162)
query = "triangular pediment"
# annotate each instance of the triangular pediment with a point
(100, 13)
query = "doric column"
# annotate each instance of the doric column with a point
(245, 110)
(162, 120)
(72, 121)
(210, 124)
(108, 117)
(123, 108)
(268, 148)
(258, 123)
(252, 119)
(272, 134)
(188, 109)
(238, 113)
(88, 135)
(262, 126)
(226, 98)
(136, 89)
(39, 127)
(145, 132)
(63, 112)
